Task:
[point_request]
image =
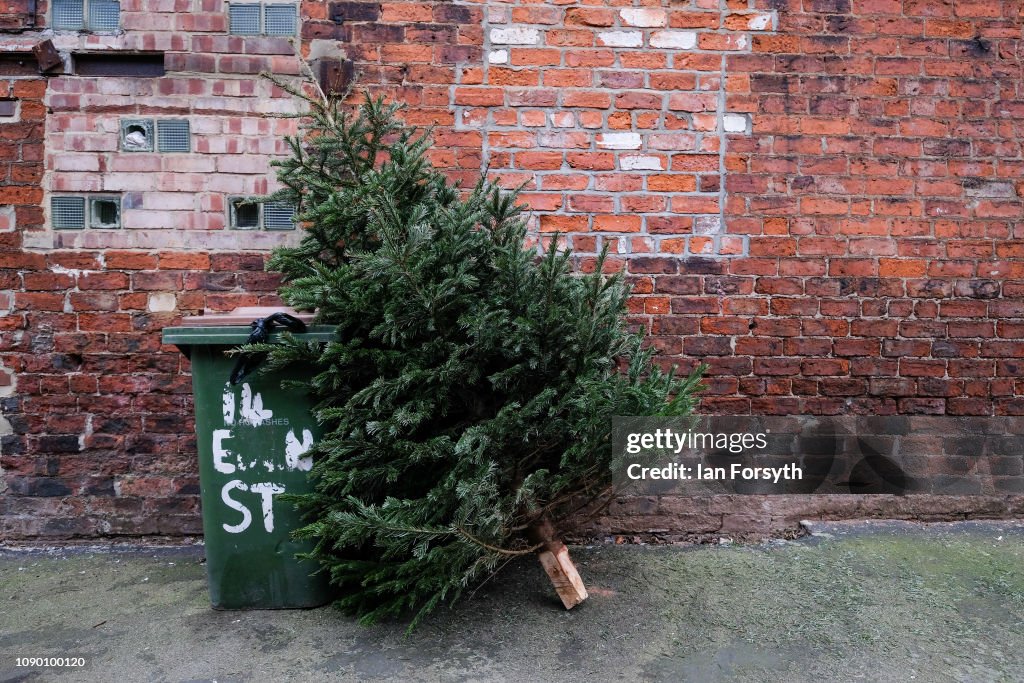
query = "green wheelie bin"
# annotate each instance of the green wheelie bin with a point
(252, 442)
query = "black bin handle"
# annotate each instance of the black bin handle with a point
(261, 329)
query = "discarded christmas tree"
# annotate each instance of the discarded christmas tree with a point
(468, 397)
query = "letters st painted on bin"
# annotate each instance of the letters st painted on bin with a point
(253, 440)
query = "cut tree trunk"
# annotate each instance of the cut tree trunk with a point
(554, 557)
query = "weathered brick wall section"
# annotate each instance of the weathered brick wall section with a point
(412, 52)
(98, 434)
(881, 193)
(613, 117)
(171, 200)
(21, 168)
(819, 198)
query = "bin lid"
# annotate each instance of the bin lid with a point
(232, 329)
(243, 315)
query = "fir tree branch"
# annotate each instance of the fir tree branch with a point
(495, 549)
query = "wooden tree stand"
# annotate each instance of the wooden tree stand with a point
(554, 557)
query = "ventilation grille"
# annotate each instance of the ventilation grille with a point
(245, 214)
(138, 65)
(67, 213)
(244, 19)
(279, 20)
(278, 216)
(136, 135)
(68, 14)
(104, 15)
(105, 212)
(173, 135)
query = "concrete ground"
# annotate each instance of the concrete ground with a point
(865, 601)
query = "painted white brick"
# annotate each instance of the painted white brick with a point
(989, 188)
(7, 218)
(75, 162)
(139, 219)
(270, 106)
(45, 239)
(498, 15)
(243, 163)
(619, 141)
(644, 17)
(621, 38)
(640, 163)
(162, 302)
(735, 123)
(515, 36)
(497, 57)
(563, 119)
(217, 240)
(707, 225)
(473, 118)
(760, 22)
(76, 182)
(672, 141)
(558, 140)
(192, 163)
(205, 125)
(120, 182)
(674, 40)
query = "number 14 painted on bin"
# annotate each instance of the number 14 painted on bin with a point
(252, 413)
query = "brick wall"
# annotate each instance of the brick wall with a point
(98, 430)
(819, 198)
(880, 192)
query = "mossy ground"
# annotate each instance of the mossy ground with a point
(876, 602)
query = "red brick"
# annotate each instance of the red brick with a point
(675, 182)
(130, 260)
(107, 281)
(617, 223)
(587, 98)
(156, 281)
(638, 100)
(183, 261)
(539, 161)
(589, 16)
(868, 259)
(104, 322)
(591, 161)
(556, 223)
(485, 97)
